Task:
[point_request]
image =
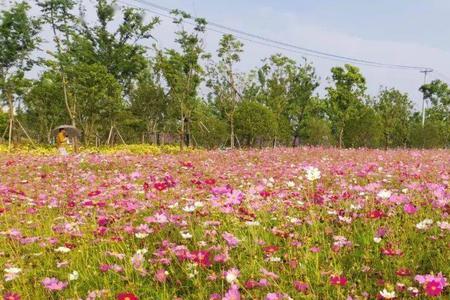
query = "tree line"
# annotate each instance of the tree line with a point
(101, 78)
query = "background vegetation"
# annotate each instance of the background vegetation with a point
(101, 79)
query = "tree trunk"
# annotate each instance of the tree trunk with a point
(9, 96)
(341, 136)
(232, 133)
(182, 132)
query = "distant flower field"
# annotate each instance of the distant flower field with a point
(304, 223)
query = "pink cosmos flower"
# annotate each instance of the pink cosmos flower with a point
(274, 296)
(338, 280)
(301, 286)
(433, 288)
(53, 284)
(233, 293)
(433, 284)
(161, 276)
(410, 209)
(11, 296)
(231, 240)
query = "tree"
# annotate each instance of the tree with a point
(18, 39)
(150, 105)
(394, 109)
(182, 72)
(348, 91)
(255, 122)
(98, 98)
(57, 13)
(363, 127)
(45, 106)
(208, 129)
(223, 80)
(119, 51)
(438, 92)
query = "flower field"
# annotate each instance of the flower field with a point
(304, 223)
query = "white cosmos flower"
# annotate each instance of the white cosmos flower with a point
(142, 251)
(312, 173)
(141, 235)
(62, 249)
(12, 273)
(290, 184)
(377, 240)
(425, 224)
(384, 194)
(252, 223)
(13, 270)
(387, 295)
(189, 208)
(186, 235)
(74, 276)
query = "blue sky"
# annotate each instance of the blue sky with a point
(410, 32)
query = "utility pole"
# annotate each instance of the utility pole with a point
(425, 73)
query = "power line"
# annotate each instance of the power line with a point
(255, 41)
(288, 46)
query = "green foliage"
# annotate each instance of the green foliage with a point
(98, 98)
(255, 123)
(394, 109)
(344, 97)
(45, 108)
(18, 39)
(315, 132)
(3, 122)
(100, 77)
(208, 130)
(119, 51)
(363, 128)
(182, 72)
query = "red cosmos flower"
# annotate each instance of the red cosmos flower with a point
(301, 286)
(338, 280)
(433, 288)
(403, 272)
(11, 296)
(210, 181)
(127, 296)
(94, 193)
(2, 210)
(201, 257)
(251, 284)
(391, 251)
(271, 249)
(160, 186)
(146, 186)
(187, 164)
(264, 194)
(375, 214)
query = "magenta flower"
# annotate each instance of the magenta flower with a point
(232, 293)
(53, 284)
(274, 296)
(161, 275)
(433, 288)
(231, 240)
(338, 280)
(301, 286)
(11, 296)
(410, 209)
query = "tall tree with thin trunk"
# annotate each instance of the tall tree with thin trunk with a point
(344, 97)
(183, 73)
(57, 14)
(224, 80)
(18, 39)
